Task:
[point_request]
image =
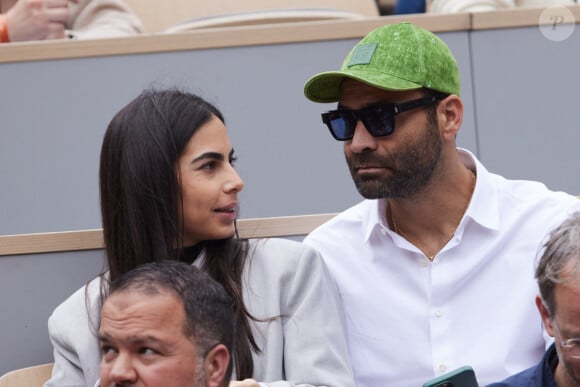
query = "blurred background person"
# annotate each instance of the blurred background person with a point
(455, 6)
(26, 20)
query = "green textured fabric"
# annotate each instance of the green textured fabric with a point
(393, 57)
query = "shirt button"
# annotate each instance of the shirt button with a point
(442, 367)
(383, 231)
(438, 313)
(423, 263)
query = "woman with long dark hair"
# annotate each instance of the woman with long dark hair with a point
(169, 191)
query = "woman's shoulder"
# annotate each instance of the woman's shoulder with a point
(277, 257)
(280, 249)
(78, 308)
(72, 329)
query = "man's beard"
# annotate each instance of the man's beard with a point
(412, 167)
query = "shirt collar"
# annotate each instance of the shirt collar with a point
(483, 208)
(484, 205)
(376, 217)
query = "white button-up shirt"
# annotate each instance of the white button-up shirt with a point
(410, 319)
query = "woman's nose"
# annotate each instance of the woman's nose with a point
(234, 183)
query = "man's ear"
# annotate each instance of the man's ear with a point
(450, 116)
(545, 314)
(216, 364)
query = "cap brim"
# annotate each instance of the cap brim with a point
(325, 87)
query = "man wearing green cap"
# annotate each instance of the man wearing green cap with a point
(435, 266)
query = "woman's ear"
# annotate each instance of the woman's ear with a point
(216, 364)
(545, 314)
(450, 116)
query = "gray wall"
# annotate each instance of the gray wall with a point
(57, 111)
(30, 288)
(528, 109)
(521, 112)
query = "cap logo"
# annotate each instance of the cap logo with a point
(362, 55)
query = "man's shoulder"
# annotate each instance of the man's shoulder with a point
(530, 190)
(524, 195)
(530, 196)
(535, 376)
(526, 378)
(515, 193)
(349, 218)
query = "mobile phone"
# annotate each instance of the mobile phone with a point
(460, 377)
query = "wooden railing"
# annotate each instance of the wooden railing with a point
(51, 242)
(267, 34)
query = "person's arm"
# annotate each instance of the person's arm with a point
(4, 38)
(66, 369)
(71, 329)
(315, 347)
(102, 19)
(35, 20)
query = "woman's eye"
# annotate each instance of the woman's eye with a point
(209, 166)
(233, 160)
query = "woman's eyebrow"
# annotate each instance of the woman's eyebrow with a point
(209, 155)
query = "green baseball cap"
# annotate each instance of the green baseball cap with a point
(393, 57)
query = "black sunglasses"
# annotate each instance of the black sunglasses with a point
(379, 119)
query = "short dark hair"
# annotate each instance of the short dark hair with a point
(561, 250)
(208, 308)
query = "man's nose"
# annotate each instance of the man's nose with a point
(362, 140)
(123, 371)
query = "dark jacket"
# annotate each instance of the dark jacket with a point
(540, 375)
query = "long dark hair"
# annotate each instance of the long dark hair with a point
(140, 199)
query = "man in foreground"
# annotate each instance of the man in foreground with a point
(558, 276)
(163, 325)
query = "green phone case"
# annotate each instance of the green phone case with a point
(460, 377)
